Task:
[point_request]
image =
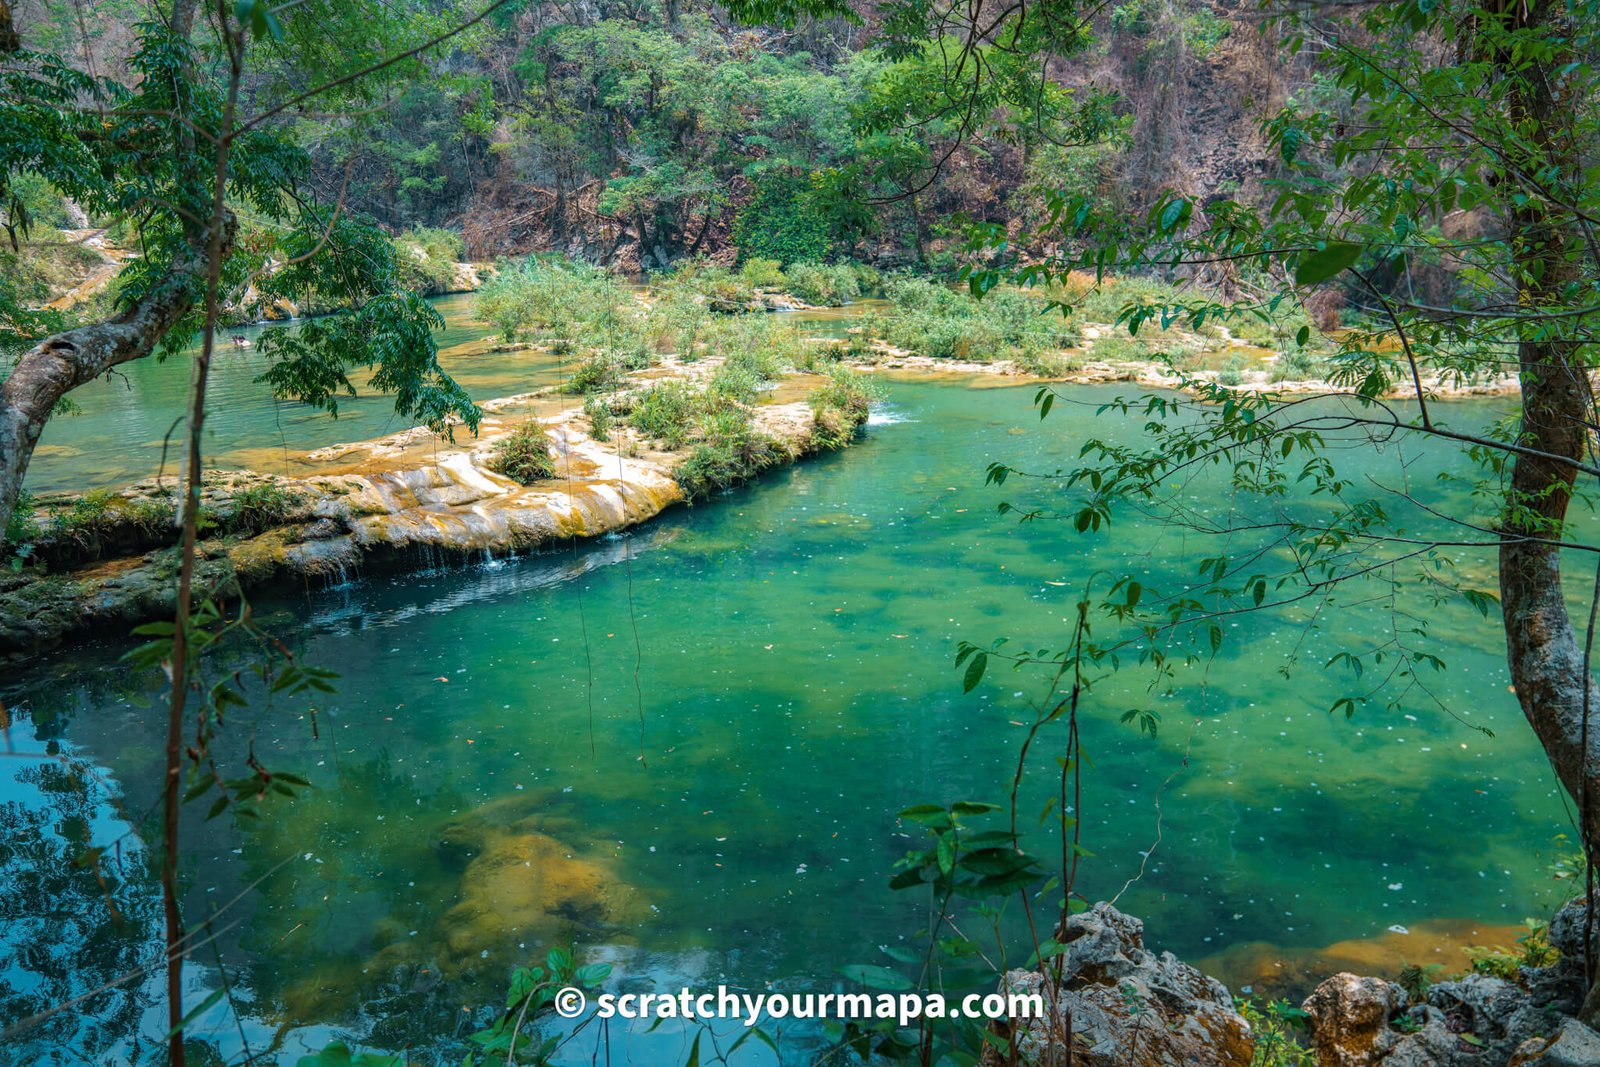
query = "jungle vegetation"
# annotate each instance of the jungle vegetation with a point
(1406, 188)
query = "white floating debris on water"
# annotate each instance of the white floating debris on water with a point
(1398, 929)
(1396, 886)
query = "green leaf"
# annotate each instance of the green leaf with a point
(1324, 263)
(973, 807)
(927, 814)
(975, 669)
(906, 879)
(593, 974)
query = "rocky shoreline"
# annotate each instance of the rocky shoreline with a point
(1126, 1006)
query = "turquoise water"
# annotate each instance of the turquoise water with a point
(696, 738)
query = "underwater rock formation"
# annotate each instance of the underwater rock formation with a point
(534, 886)
(1128, 1006)
(513, 878)
(1271, 970)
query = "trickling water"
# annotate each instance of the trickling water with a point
(796, 645)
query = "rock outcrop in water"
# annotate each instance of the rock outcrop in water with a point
(1128, 1007)
(397, 502)
(1475, 1021)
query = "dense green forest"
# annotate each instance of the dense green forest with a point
(636, 135)
(493, 494)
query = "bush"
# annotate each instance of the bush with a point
(666, 412)
(730, 451)
(1104, 303)
(426, 258)
(715, 287)
(524, 456)
(259, 507)
(99, 514)
(869, 279)
(1297, 364)
(1280, 328)
(39, 200)
(676, 321)
(824, 285)
(782, 222)
(818, 357)
(848, 391)
(558, 297)
(597, 374)
(600, 417)
(1277, 1027)
(1232, 372)
(763, 273)
(943, 323)
(736, 382)
(840, 407)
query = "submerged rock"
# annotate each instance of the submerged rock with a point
(532, 886)
(1128, 1007)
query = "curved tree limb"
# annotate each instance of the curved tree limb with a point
(61, 363)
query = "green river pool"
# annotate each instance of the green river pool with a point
(687, 746)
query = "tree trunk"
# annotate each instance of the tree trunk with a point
(59, 364)
(1546, 658)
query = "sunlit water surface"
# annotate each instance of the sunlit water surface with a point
(708, 726)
